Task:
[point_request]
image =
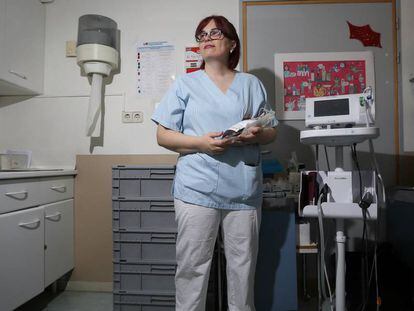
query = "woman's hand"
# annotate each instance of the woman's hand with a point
(209, 144)
(251, 135)
(186, 144)
(256, 135)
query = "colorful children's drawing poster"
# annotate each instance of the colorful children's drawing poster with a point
(325, 78)
(303, 75)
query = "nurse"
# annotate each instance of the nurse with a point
(218, 180)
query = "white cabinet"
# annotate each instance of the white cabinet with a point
(36, 236)
(59, 238)
(22, 33)
(22, 256)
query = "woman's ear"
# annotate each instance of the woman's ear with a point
(233, 46)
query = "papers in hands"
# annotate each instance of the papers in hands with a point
(262, 120)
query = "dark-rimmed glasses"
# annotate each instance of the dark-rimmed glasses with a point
(215, 34)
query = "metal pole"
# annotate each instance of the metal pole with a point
(340, 243)
(339, 157)
(340, 266)
(305, 287)
(320, 300)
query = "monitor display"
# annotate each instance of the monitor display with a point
(332, 107)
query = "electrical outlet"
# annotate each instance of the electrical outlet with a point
(132, 116)
(137, 116)
(126, 117)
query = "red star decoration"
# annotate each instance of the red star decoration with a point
(365, 34)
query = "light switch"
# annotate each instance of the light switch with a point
(71, 48)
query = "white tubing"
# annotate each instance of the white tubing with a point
(376, 168)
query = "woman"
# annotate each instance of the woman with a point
(218, 180)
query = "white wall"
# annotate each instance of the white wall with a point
(53, 125)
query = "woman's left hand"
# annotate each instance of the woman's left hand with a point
(251, 135)
(255, 135)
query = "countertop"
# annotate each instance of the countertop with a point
(34, 173)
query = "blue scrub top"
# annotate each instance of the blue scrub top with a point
(194, 106)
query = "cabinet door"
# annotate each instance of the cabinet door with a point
(22, 257)
(23, 46)
(59, 238)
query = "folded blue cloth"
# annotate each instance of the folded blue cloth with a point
(271, 166)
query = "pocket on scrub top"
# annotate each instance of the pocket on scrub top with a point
(251, 155)
(253, 181)
(198, 172)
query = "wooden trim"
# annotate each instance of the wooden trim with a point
(244, 27)
(253, 3)
(396, 106)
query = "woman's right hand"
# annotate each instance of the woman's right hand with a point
(211, 145)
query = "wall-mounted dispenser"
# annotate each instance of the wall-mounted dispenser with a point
(97, 54)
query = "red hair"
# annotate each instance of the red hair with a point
(229, 32)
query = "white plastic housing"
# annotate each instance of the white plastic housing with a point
(338, 110)
(97, 67)
(97, 53)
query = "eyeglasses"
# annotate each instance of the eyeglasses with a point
(215, 34)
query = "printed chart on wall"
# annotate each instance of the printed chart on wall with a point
(303, 75)
(193, 59)
(155, 68)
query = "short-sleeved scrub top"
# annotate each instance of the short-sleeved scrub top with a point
(194, 106)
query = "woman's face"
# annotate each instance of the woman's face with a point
(215, 49)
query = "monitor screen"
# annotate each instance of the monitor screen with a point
(332, 107)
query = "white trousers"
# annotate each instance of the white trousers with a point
(197, 231)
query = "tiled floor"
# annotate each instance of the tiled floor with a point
(70, 301)
(94, 301)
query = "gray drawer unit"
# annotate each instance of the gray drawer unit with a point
(143, 301)
(148, 236)
(143, 213)
(157, 281)
(144, 266)
(144, 245)
(144, 236)
(142, 181)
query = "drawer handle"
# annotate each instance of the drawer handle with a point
(166, 237)
(162, 173)
(17, 195)
(168, 204)
(54, 217)
(18, 74)
(60, 189)
(163, 299)
(162, 268)
(30, 225)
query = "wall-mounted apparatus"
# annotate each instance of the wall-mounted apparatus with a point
(98, 55)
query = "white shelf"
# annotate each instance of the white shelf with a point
(338, 136)
(339, 210)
